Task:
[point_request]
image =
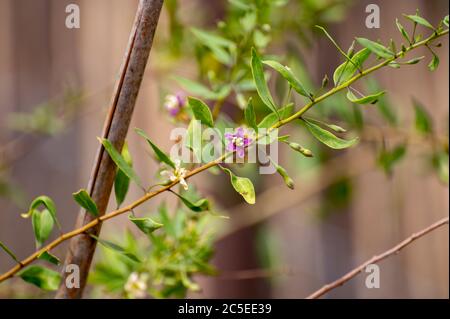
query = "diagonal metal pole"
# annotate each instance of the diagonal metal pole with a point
(82, 247)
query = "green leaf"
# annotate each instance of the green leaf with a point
(327, 137)
(145, 224)
(394, 64)
(273, 118)
(383, 105)
(166, 220)
(221, 55)
(243, 186)
(373, 98)
(286, 72)
(419, 37)
(199, 206)
(84, 200)
(333, 127)
(42, 225)
(120, 161)
(201, 111)
(197, 89)
(248, 21)
(423, 121)
(208, 38)
(260, 39)
(240, 4)
(8, 251)
(41, 277)
(192, 138)
(346, 70)
(376, 48)
(387, 159)
(163, 157)
(283, 138)
(260, 82)
(402, 31)
(50, 258)
(419, 20)
(414, 60)
(250, 116)
(45, 201)
(434, 63)
(217, 44)
(445, 21)
(440, 163)
(116, 248)
(122, 181)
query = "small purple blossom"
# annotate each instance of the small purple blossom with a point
(238, 141)
(174, 103)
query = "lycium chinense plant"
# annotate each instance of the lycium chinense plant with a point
(177, 247)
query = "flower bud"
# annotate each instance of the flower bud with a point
(287, 180)
(325, 81)
(298, 148)
(351, 50)
(266, 27)
(174, 103)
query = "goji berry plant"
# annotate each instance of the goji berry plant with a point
(244, 116)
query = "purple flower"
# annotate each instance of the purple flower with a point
(174, 103)
(238, 141)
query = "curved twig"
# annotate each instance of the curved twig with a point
(376, 259)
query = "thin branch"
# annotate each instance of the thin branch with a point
(378, 258)
(206, 166)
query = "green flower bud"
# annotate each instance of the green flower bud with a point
(325, 81)
(337, 128)
(266, 27)
(287, 180)
(351, 50)
(298, 148)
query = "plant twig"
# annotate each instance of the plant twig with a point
(146, 197)
(376, 259)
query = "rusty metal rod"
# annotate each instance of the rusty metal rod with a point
(82, 247)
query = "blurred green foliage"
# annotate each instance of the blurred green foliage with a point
(170, 258)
